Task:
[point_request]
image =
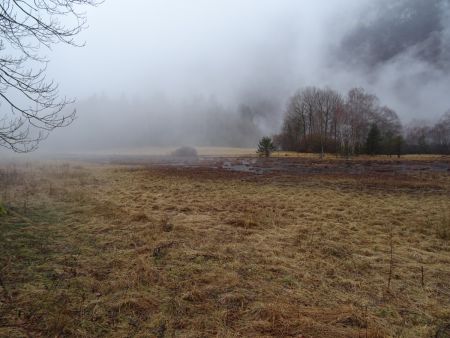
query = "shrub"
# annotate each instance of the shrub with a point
(185, 152)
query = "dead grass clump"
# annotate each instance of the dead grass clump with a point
(443, 227)
(336, 250)
(139, 305)
(233, 301)
(161, 249)
(243, 223)
(352, 320)
(273, 319)
(166, 226)
(443, 331)
(139, 217)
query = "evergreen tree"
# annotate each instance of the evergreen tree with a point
(265, 146)
(373, 141)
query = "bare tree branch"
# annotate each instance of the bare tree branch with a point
(30, 106)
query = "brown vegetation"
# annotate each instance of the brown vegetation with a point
(89, 250)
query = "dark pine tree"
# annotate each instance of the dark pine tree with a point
(265, 146)
(373, 142)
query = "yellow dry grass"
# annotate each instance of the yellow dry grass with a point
(90, 250)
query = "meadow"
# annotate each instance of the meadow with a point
(135, 250)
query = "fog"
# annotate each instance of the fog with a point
(171, 72)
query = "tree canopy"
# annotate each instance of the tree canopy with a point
(322, 120)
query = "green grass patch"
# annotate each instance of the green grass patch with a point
(3, 211)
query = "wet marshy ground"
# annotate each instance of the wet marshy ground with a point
(295, 166)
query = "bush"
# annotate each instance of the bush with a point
(185, 152)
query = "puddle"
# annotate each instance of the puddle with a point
(245, 166)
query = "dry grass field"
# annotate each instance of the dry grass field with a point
(91, 250)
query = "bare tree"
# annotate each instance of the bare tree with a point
(418, 137)
(308, 118)
(329, 104)
(319, 120)
(440, 134)
(361, 108)
(30, 106)
(295, 126)
(344, 132)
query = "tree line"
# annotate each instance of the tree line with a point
(322, 120)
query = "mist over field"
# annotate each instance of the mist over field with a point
(225, 168)
(220, 73)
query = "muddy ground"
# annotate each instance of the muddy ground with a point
(294, 166)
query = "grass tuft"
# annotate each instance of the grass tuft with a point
(3, 211)
(443, 227)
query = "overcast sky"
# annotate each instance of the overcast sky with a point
(219, 47)
(227, 48)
